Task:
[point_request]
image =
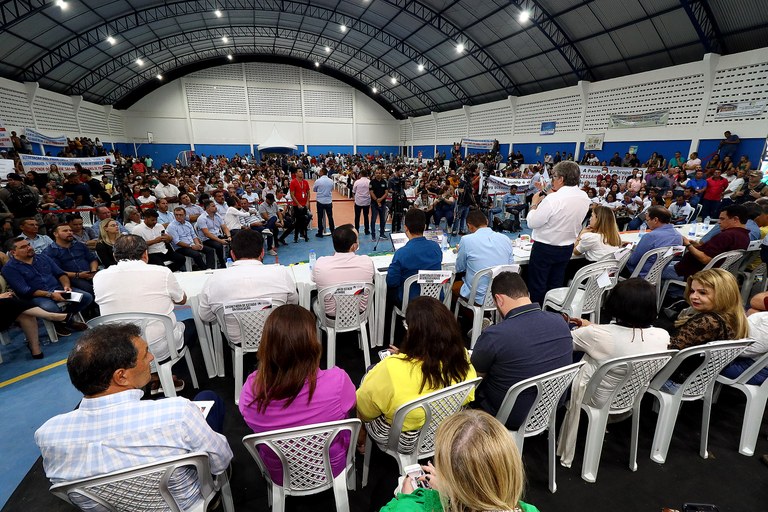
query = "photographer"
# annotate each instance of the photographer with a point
(399, 201)
(464, 201)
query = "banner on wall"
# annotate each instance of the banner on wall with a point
(740, 109)
(42, 164)
(6, 167)
(36, 137)
(594, 142)
(548, 128)
(478, 143)
(645, 120)
(500, 185)
(5, 136)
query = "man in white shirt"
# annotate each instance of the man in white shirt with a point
(361, 191)
(167, 190)
(248, 278)
(556, 220)
(693, 162)
(157, 242)
(680, 210)
(134, 286)
(344, 266)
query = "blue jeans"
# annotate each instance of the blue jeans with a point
(381, 212)
(546, 269)
(444, 210)
(52, 306)
(739, 366)
(460, 222)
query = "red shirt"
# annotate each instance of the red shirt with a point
(715, 189)
(300, 192)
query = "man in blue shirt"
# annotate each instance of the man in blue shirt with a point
(512, 204)
(482, 248)
(323, 187)
(418, 254)
(73, 257)
(36, 277)
(528, 342)
(213, 232)
(729, 145)
(186, 242)
(699, 185)
(661, 234)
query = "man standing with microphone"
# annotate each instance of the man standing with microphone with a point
(556, 219)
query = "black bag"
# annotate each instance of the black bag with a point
(505, 225)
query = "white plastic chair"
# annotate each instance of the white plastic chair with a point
(697, 386)
(250, 325)
(437, 406)
(146, 487)
(748, 278)
(352, 303)
(584, 295)
(631, 376)
(306, 462)
(481, 305)
(757, 396)
(694, 214)
(662, 255)
(163, 368)
(727, 261)
(549, 387)
(433, 290)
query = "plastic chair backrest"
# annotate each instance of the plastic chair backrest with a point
(352, 303)
(434, 290)
(632, 374)
(437, 406)
(750, 372)
(716, 355)
(727, 261)
(661, 260)
(142, 320)
(142, 487)
(549, 387)
(487, 275)
(304, 453)
(87, 216)
(753, 250)
(250, 323)
(586, 279)
(694, 214)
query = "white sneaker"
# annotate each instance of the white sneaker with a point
(272, 252)
(266, 232)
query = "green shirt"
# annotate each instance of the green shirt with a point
(428, 500)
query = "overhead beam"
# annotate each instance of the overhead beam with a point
(705, 24)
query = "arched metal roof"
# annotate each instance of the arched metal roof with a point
(66, 49)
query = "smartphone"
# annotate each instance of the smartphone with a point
(162, 232)
(384, 353)
(66, 295)
(414, 472)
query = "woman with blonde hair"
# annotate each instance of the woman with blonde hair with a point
(715, 314)
(109, 232)
(477, 468)
(596, 241)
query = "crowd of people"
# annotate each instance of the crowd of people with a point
(216, 209)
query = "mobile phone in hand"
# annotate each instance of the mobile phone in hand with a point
(414, 472)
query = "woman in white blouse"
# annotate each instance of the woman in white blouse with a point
(632, 307)
(596, 241)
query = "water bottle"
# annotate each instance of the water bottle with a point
(707, 221)
(693, 228)
(312, 259)
(641, 233)
(444, 243)
(229, 262)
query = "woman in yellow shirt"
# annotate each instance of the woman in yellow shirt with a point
(431, 357)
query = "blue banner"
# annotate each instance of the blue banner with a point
(548, 128)
(36, 137)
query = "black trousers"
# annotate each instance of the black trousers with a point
(204, 258)
(365, 210)
(177, 260)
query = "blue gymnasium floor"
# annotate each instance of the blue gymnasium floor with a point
(32, 391)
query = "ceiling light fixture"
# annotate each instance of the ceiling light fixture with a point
(421, 67)
(327, 49)
(317, 64)
(460, 47)
(159, 76)
(218, 13)
(225, 39)
(393, 80)
(229, 56)
(343, 27)
(375, 89)
(139, 61)
(525, 15)
(62, 4)
(111, 40)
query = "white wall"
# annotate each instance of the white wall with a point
(691, 93)
(240, 103)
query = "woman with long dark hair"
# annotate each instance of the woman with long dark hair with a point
(431, 357)
(289, 389)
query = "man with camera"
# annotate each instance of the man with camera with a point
(465, 199)
(379, 193)
(399, 201)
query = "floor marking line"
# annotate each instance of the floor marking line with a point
(32, 373)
